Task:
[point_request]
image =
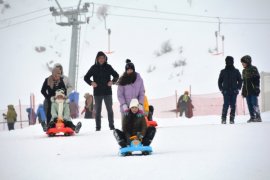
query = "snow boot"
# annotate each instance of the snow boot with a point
(120, 138)
(149, 136)
(223, 120)
(78, 127)
(44, 126)
(258, 119)
(231, 120)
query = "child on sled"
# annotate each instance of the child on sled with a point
(60, 111)
(134, 124)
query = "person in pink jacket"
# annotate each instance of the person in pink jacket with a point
(130, 86)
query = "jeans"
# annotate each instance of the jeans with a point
(229, 101)
(253, 107)
(98, 106)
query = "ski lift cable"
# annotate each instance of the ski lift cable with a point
(25, 14)
(185, 14)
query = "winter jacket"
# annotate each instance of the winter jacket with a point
(11, 114)
(49, 92)
(130, 91)
(101, 75)
(133, 124)
(41, 113)
(56, 108)
(183, 101)
(251, 78)
(229, 80)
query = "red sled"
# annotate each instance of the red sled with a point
(150, 123)
(60, 128)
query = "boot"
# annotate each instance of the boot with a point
(231, 120)
(120, 138)
(44, 126)
(149, 136)
(223, 120)
(252, 119)
(78, 127)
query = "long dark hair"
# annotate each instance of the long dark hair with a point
(126, 79)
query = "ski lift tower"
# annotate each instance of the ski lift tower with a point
(73, 17)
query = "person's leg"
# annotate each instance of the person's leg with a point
(149, 136)
(225, 108)
(232, 103)
(108, 103)
(98, 103)
(151, 112)
(48, 113)
(120, 137)
(250, 108)
(256, 109)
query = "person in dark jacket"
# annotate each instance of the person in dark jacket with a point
(102, 83)
(251, 88)
(49, 87)
(229, 83)
(134, 124)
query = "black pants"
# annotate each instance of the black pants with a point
(146, 141)
(98, 106)
(151, 112)
(47, 106)
(10, 126)
(229, 101)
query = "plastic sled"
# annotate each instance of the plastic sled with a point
(135, 146)
(150, 123)
(60, 129)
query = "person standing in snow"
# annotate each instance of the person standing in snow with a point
(88, 107)
(130, 86)
(102, 83)
(184, 105)
(60, 111)
(229, 83)
(134, 124)
(49, 87)
(251, 88)
(11, 117)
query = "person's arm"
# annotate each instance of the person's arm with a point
(88, 75)
(54, 111)
(44, 89)
(220, 81)
(239, 80)
(114, 74)
(66, 112)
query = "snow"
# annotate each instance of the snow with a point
(197, 148)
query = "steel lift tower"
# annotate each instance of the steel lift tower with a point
(73, 17)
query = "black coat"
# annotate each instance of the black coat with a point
(251, 79)
(229, 80)
(101, 75)
(49, 92)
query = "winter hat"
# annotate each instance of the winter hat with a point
(134, 103)
(229, 60)
(246, 59)
(129, 65)
(59, 92)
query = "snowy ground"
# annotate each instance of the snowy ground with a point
(197, 148)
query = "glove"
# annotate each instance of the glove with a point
(125, 109)
(236, 91)
(141, 107)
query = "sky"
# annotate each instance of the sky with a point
(193, 149)
(23, 70)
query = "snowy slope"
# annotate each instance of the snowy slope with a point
(136, 38)
(197, 148)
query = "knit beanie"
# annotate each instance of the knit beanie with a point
(129, 65)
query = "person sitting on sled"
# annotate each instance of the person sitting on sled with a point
(60, 111)
(134, 124)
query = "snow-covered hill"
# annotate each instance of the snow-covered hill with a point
(193, 149)
(27, 25)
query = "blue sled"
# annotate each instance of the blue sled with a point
(136, 146)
